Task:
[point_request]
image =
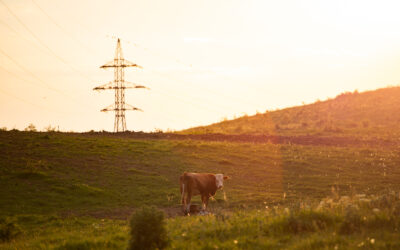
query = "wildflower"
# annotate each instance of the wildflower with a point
(372, 241)
(183, 234)
(235, 241)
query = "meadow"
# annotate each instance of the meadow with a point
(76, 191)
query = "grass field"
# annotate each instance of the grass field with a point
(76, 190)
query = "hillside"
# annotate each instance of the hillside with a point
(109, 176)
(368, 114)
(58, 187)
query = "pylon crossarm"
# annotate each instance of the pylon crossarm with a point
(126, 63)
(120, 63)
(127, 107)
(108, 85)
(108, 108)
(130, 107)
(130, 85)
(119, 85)
(113, 85)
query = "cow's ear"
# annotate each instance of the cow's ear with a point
(226, 177)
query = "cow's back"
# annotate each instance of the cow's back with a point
(199, 183)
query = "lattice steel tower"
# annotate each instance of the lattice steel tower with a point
(119, 85)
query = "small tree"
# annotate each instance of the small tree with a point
(31, 128)
(50, 128)
(148, 230)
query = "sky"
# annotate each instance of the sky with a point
(203, 61)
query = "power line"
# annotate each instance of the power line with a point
(60, 92)
(62, 29)
(20, 78)
(34, 104)
(25, 39)
(28, 71)
(36, 77)
(189, 66)
(42, 43)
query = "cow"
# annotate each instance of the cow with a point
(203, 184)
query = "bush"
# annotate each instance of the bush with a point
(352, 223)
(148, 229)
(31, 128)
(8, 230)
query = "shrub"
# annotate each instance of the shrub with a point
(49, 128)
(31, 128)
(8, 230)
(352, 223)
(148, 229)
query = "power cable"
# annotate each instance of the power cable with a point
(36, 77)
(42, 43)
(34, 104)
(190, 66)
(62, 29)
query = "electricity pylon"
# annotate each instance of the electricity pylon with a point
(119, 85)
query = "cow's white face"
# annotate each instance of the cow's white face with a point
(219, 180)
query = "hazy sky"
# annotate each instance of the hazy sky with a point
(202, 60)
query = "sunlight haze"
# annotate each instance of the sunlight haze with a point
(202, 60)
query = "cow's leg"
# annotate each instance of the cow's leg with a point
(204, 201)
(188, 199)
(183, 198)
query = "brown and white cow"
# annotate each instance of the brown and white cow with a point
(203, 184)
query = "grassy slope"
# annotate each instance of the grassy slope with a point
(61, 173)
(373, 113)
(55, 174)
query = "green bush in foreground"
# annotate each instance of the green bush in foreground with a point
(8, 230)
(148, 229)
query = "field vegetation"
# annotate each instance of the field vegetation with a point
(76, 191)
(371, 114)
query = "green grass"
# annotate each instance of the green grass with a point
(52, 232)
(57, 187)
(340, 223)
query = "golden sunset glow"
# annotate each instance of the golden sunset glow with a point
(202, 60)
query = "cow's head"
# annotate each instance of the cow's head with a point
(219, 180)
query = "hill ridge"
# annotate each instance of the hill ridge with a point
(374, 113)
